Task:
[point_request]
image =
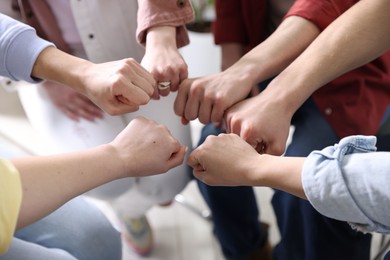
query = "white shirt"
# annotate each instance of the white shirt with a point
(107, 29)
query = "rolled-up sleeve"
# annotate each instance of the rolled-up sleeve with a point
(175, 13)
(350, 182)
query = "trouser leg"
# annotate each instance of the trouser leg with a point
(78, 228)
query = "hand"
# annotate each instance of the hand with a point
(163, 60)
(224, 160)
(118, 87)
(262, 122)
(227, 160)
(208, 98)
(145, 148)
(73, 104)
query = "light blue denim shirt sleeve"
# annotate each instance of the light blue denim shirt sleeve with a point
(350, 181)
(19, 48)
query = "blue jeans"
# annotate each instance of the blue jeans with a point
(77, 230)
(305, 234)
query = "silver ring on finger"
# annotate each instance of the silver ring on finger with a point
(163, 85)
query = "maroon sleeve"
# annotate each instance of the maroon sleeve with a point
(320, 12)
(228, 25)
(238, 21)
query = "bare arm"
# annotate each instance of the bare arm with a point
(163, 60)
(227, 160)
(348, 42)
(117, 87)
(207, 98)
(50, 181)
(277, 52)
(360, 35)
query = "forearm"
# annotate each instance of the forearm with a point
(274, 54)
(161, 37)
(346, 44)
(282, 173)
(49, 182)
(56, 65)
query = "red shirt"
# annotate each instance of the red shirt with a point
(240, 21)
(355, 102)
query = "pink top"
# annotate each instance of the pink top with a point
(175, 13)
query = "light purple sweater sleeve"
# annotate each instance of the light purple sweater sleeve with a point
(19, 48)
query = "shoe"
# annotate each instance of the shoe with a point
(166, 204)
(137, 234)
(264, 252)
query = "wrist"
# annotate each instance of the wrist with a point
(79, 75)
(56, 65)
(113, 160)
(283, 97)
(162, 36)
(261, 171)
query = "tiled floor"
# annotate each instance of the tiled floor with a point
(181, 234)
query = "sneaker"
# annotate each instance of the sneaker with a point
(138, 234)
(264, 252)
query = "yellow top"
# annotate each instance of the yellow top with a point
(10, 200)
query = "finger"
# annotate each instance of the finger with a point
(217, 113)
(275, 148)
(192, 107)
(248, 136)
(141, 71)
(181, 98)
(184, 121)
(73, 116)
(122, 106)
(90, 116)
(134, 95)
(192, 160)
(156, 95)
(87, 108)
(141, 83)
(200, 175)
(205, 111)
(260, 147)
(95, 111)
(177, 158)
(140, 77)
(228, 121)
(182, 75)
(175, 81)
